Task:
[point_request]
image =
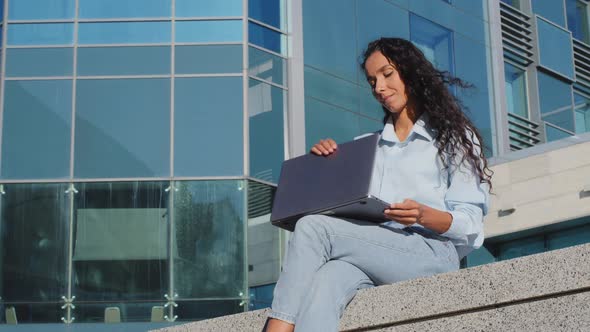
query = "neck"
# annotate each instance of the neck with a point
(403, 122)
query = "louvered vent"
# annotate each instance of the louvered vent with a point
(516, 35)
(260, 198)
(523, 133)
(582, 66)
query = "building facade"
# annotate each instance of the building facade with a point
(141, 140)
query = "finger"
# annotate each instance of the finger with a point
(332, 143)
(326, 144)
(320, 146)
(315, 150)
(403, 213)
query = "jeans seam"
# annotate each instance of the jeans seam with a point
(340, 300)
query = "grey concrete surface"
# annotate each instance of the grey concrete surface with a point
(533, 290)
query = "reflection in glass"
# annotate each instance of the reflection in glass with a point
(138, 143)
(124, 33)
(34, 242)
(555, 48)
(553, 133)
(515, 86)
(513, 3)
(125, 60)
(521, 247)
(40, 34)
(26, 142)
(120, 242)
(270, 12)
(550, 9)
(267, 66)
(208, 59)
(434, 41)
(261, 296)
(563, 120)
(121, 9)
(266, 38)
(208, 8)
(36, 312)
(577, 19)
(582, 113)
(200, 105)
(208, 31)
(554, 94)
(264, 239)
(204, 309)
(324, 120)
(209, 224)
(266, 108)
(95, 312)
(569, 237)
(39, 62)
(40, 9)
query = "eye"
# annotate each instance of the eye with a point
(371, 83)
(387, 74)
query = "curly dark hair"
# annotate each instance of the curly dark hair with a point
(427, 91)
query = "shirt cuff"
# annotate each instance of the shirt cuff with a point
(457, 229)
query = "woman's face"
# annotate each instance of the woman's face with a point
(388, 87)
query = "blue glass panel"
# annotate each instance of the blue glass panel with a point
(137, 144)
(120, 245)
(471, 7)
(369, 106)
(267, 66)
(39, 62)
(207, 8)
(515, 87)
(39, 148)
(261, 296)
(378, 18)
(127, 8)
(434, 41)
(124, 32)
(513, 3)
(267, 38)
(577, 19)
(41, 34)
(41, 9)
(521, 247)
(206, 59)
(555, 48)
(208, 126)
(479, 257)
(129, 60)
(271, 12)
(208, 31)
(569, 237)
(325, 121)
(563, 120)
(554, 94)
(554, 134)
(266, 107)
(582, 113)
(209, 237)
(550, 9)
(330, 38)
(331, 89)
(34, 239)
(367, 125)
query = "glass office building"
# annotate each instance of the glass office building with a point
(141, 140)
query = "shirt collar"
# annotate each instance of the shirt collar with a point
(420, 128)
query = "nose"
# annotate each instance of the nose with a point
(379, 86)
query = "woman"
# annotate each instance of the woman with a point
(429, 162)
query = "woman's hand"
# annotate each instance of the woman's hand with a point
(408, 212)
(324, 147)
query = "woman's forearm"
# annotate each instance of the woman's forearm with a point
(436, 220)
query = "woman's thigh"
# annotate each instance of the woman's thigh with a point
(385, 254)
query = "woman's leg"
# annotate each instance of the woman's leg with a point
(332, 288)
(384, 254)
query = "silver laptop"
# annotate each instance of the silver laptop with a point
(338, 184)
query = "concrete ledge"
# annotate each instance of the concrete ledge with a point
(549, 291)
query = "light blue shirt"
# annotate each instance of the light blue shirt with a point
(412, 170)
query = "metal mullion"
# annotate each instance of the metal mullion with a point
(209, 18)
(559, 128)
(269, 82)
(107, 77)
(172, 183)
(39, 46)
(268, 51)
(246, 143)
(40, 21)
(38, 78)
(3, 75)
(208, 43)
(210, 75)
(124, 19)
(123, 45)
(268, 26)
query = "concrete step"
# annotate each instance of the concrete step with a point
(543, 292)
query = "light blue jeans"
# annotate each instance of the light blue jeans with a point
(330, 259)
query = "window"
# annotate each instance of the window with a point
(271, 12)
(40, 34)
(124, 9)
(434, 41)
(577, 19)
(39, 62)
(515, 86)
(125, 60)
(513, 3)
(124, 33)
(555, 97)
(207, 8)
(550, 9)
(41, 9)
(205, 59)
(582, 113)
(555, 48)
(208, 31)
